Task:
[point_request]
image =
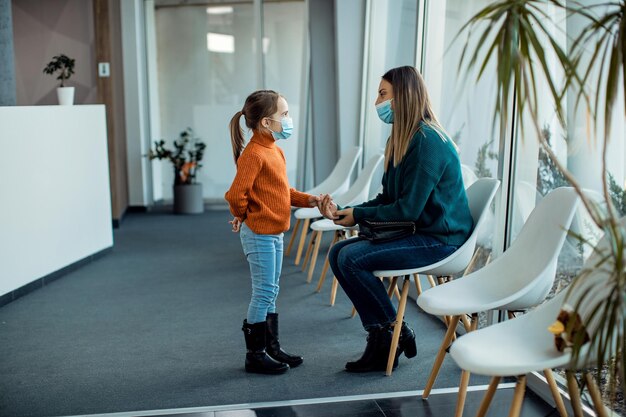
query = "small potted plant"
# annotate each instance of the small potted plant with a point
(185, 157)
(64, 65)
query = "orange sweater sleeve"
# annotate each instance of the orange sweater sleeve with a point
(248, 167)
(298, 198)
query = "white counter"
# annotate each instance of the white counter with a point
(55, 203)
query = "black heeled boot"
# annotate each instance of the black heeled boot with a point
(257, 360)
(407, 342)
(272, 344)
(376, 352)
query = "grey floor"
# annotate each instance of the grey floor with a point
(156, 324)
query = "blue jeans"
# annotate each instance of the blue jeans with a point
(265, 257)
(354, 260)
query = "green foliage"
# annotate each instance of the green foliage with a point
(186, 156)
(618, 195)
(549, 175)
(518, 35)
(63, 64)
(484, 153)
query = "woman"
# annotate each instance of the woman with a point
(422, 182)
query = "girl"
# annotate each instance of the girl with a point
(260, 200)
(422, 183)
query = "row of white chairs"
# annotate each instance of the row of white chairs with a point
(517, 280)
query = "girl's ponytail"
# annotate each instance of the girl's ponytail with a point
(260, 104)
(236, 135)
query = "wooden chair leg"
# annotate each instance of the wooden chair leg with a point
(518, 396)
(326, 264)
(445, 343)
(466, 323)
(574, 393)
(305, 229)
(353, 312)
(558, 400)
(486, 401)
(293, 236)
(316, 250)
(465, 375)
(397, 329)
(418, 284)
(596, 397)
(309, 249)
(333, 291)
(393, 287)
(431, 280)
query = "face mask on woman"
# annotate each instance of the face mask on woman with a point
(385, 112)
(287, 125)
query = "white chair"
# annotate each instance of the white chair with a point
(517, 280)
(469, 176)
(479, 195)
(337, 183)
(358, 193)
(523, 345)
(341, 233)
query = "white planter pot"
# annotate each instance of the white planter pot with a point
(65, 96)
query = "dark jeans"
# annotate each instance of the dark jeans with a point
(354, 260)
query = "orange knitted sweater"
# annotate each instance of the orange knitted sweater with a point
(260, 194)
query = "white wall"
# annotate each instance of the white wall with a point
(56, 204)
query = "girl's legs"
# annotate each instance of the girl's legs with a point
(260, 250)
(262, 254)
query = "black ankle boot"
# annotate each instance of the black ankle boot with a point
(407, 342)
(272, 344)
(376, 352)
(257, 360)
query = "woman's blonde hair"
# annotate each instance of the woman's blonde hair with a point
(260, 104)
(411, 105)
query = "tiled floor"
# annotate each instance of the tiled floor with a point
(439, 405)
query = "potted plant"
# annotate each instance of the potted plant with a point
(64, 65)
(185, 157)
(519, 35)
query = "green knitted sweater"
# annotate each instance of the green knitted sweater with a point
(425, 187)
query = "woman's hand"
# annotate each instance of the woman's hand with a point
(327, 207)
(236, 222)
(345, 217)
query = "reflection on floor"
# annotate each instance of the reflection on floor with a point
(438, 405)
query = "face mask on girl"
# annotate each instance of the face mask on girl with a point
(385, 113)
(287, 125)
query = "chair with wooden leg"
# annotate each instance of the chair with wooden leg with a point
(517, 280)
(523, 345)
(479, 196)
(358, 193)
(337, 183)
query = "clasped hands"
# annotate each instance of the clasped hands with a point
(326, 206)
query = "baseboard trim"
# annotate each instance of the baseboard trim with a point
(47, 279)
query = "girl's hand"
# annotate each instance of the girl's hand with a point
(236, 222)
(314, 201)
(346, 218)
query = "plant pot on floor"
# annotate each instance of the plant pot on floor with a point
(65, 96)
(188, 199)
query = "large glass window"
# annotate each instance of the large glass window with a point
(208, 64)
(392, 37)
(463, 106)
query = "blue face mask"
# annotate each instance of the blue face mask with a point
(385, 112)
(287, 125)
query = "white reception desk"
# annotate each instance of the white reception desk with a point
(55, 203)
